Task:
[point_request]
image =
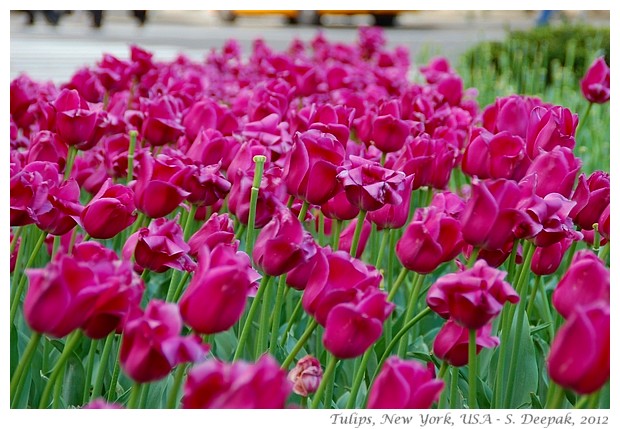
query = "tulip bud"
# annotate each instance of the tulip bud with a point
(162, 121)
(306, 376)
(394, 216)
(592, 197)
(109, 212)
(550, 127)
(579, 358)
(75, 122)
(595, 83)
(555, 171)
(218, 229)
(546, 260)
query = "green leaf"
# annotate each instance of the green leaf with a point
(73, 385)
(225, 345)
(14, 354)
(535, 401)
(156, 398)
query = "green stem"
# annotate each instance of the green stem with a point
(263, 327)
(532, 298)
(179, 287)
(583, 121)
(516, 348)
(72, 341)
(300, 344)
(594, 399)
(134, 396)
(331, 366)
(359, 376)
(187, 230)
(259, 161)
(133, 135)
(398, 336)
(443, 399)
(602, 254)
(555, 397)
(303, 211)
(303, 403)
(399, 281)
(22, 281)
(336, 227)
(103, 365)
(358, 232)
(581, 404)
(291, 320)
(473, 370)
(173, 396)
(115, 374)
(18, 233)
(275, 326)
(18, 379)
(70, 160)
(321, 228)
(89, 370)
(454, 386)
(597, 239)
(144, 395)
(58, 388)
(245, 332)
(385, 235)
(413, 301)
(473, 257)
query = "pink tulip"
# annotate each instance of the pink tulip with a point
(75, 121)
(595, 83)
(550, 127)
(152, 345)
(111, 211)
(217, 294)
(404, 385)
(554, 171)
(452, 341)
(162, 123)
(472, 297)
(339, 207)
(586, 281)
(306, 376)
(394, 216)
(219, 385)
(592, 196)
(217, 229)
(547, 260)
(346, 237)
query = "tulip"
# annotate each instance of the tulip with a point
(297, 278)
(369, 186)
(550, 127)
(404, 385)
(60, 297)
(603, 222)
(495, 156)
(490, 214)
(75, 122)
(579, 358)
(64, 199)
(335, 278)
(217, 294)
(452, 340)
(156, 194)
(311, 167)
(162, 121)
(29, 192)
(554, 171)
(586, 281)
(280, 245)
(220, 385)
(120, 289)
(546, 260)
(87, 84)
(218, 229)
(595, 83)
(353, 326)
(152, 345)
(389, 132)
(429, 159)
(432, 238)
(48, 146)
(346, 237)
(200, 116)
(211, 147)
(472, 297)
(159, 247)
(394, 216)
(509, 114)
(339, 207)
(109, 212)
(592, 196)
(205, 184)
(306, 376)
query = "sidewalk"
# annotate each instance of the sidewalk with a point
(54, 53)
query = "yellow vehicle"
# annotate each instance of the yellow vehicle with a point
(383, 18)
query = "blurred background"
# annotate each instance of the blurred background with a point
(51, 45)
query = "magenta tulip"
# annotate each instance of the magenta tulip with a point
(217, 294)
(217, 229)
(75, 121)
(404, 385)
(220, 385)
(452, 341)
(546, 260)
(339, 207)
(162, 123)
(586, 281)
(152, 345)
(394, 216)
(595, 83)
(111, 211)
(346, 237)
(550, 127)
(579, 358)
(592, 196)
(495, 156)
(472, 297)
(554, 171)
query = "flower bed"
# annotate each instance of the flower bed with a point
(305, 228)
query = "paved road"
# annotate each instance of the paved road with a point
(54, 53)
